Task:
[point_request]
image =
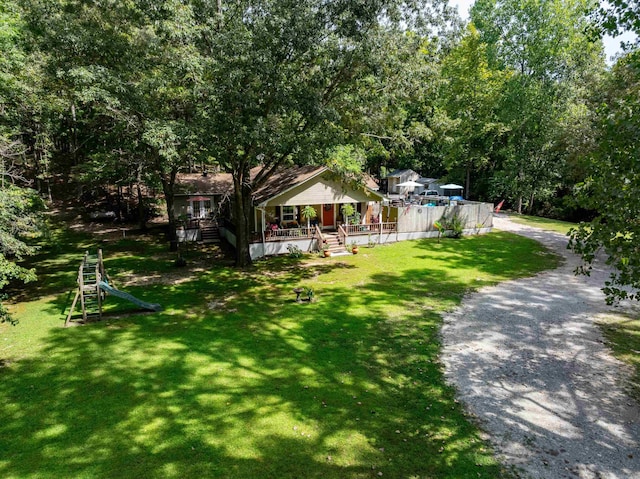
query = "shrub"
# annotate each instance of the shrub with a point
(294, 251)
(453, 226)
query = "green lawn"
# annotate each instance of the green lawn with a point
(544, 223)
(622, 332)
(236, 380)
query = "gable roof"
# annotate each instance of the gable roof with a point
(196, 183)
(280, 182)
(285, 179)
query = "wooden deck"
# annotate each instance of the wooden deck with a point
(288, 234)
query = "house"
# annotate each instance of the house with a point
(279, 222)
(198, 202)
(398, 177)
(430, 184)
(278, 218)
(200, 196)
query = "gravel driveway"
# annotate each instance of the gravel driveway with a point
(530, 364)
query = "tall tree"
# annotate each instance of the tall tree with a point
(545, 44)
(471, 95)
(613, 181)
(284, 82)
(20, 222)
(126, 73)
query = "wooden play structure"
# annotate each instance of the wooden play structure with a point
(93, 286)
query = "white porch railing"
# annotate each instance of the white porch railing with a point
(286, 234)
(373, 228)
(289, 233)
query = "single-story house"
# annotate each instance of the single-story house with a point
(279, 222)
(278, 206)
(199, 196)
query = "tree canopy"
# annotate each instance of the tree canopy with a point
(518, 105)
(612, 183)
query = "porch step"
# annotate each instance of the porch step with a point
(334, 244)
(210, 234)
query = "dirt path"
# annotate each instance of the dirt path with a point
(530, 364)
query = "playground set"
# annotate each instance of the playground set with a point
(93, 286)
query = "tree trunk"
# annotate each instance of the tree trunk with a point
(530, 207)
(142, 216)
(468, 182)
(242, 216)
(119, 203)
(168, 182)
(519, 204)
(73, 145)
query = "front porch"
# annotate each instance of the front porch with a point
(313, 238)
(343, 231)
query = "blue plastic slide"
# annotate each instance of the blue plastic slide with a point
(104, 286)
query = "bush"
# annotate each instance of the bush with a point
(453, 226)
(294, 251)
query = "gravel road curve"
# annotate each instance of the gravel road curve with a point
(529, 363)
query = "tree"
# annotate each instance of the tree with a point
(19, 222)
(612, 183)
(544, 45)
(285, 85)
(619, 16)
(471, 95)
(19, 207)
(126, 73)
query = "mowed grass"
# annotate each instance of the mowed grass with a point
(622, 332)
(544, 223)
(234, 379)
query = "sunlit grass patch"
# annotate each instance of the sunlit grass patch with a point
(622, 331)
(236, 379)
(545, 223)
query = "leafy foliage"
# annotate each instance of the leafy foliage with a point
(452, 225)
(619, 16)
(19, 222)
(294, 251)
(612, 184)
(471, 97)
(545, 48)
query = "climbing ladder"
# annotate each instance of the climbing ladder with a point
(90, 273)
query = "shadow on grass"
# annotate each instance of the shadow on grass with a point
(62, 251)
(236, 380)
(501, 254)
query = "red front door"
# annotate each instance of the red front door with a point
(327, 215)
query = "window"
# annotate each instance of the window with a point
(196, 209)
(288, 213)
(199, 208)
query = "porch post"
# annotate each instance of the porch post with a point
(264, 245)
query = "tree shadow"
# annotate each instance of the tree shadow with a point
(234, 379)
(540, 377)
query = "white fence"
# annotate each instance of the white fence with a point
(415, 218)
